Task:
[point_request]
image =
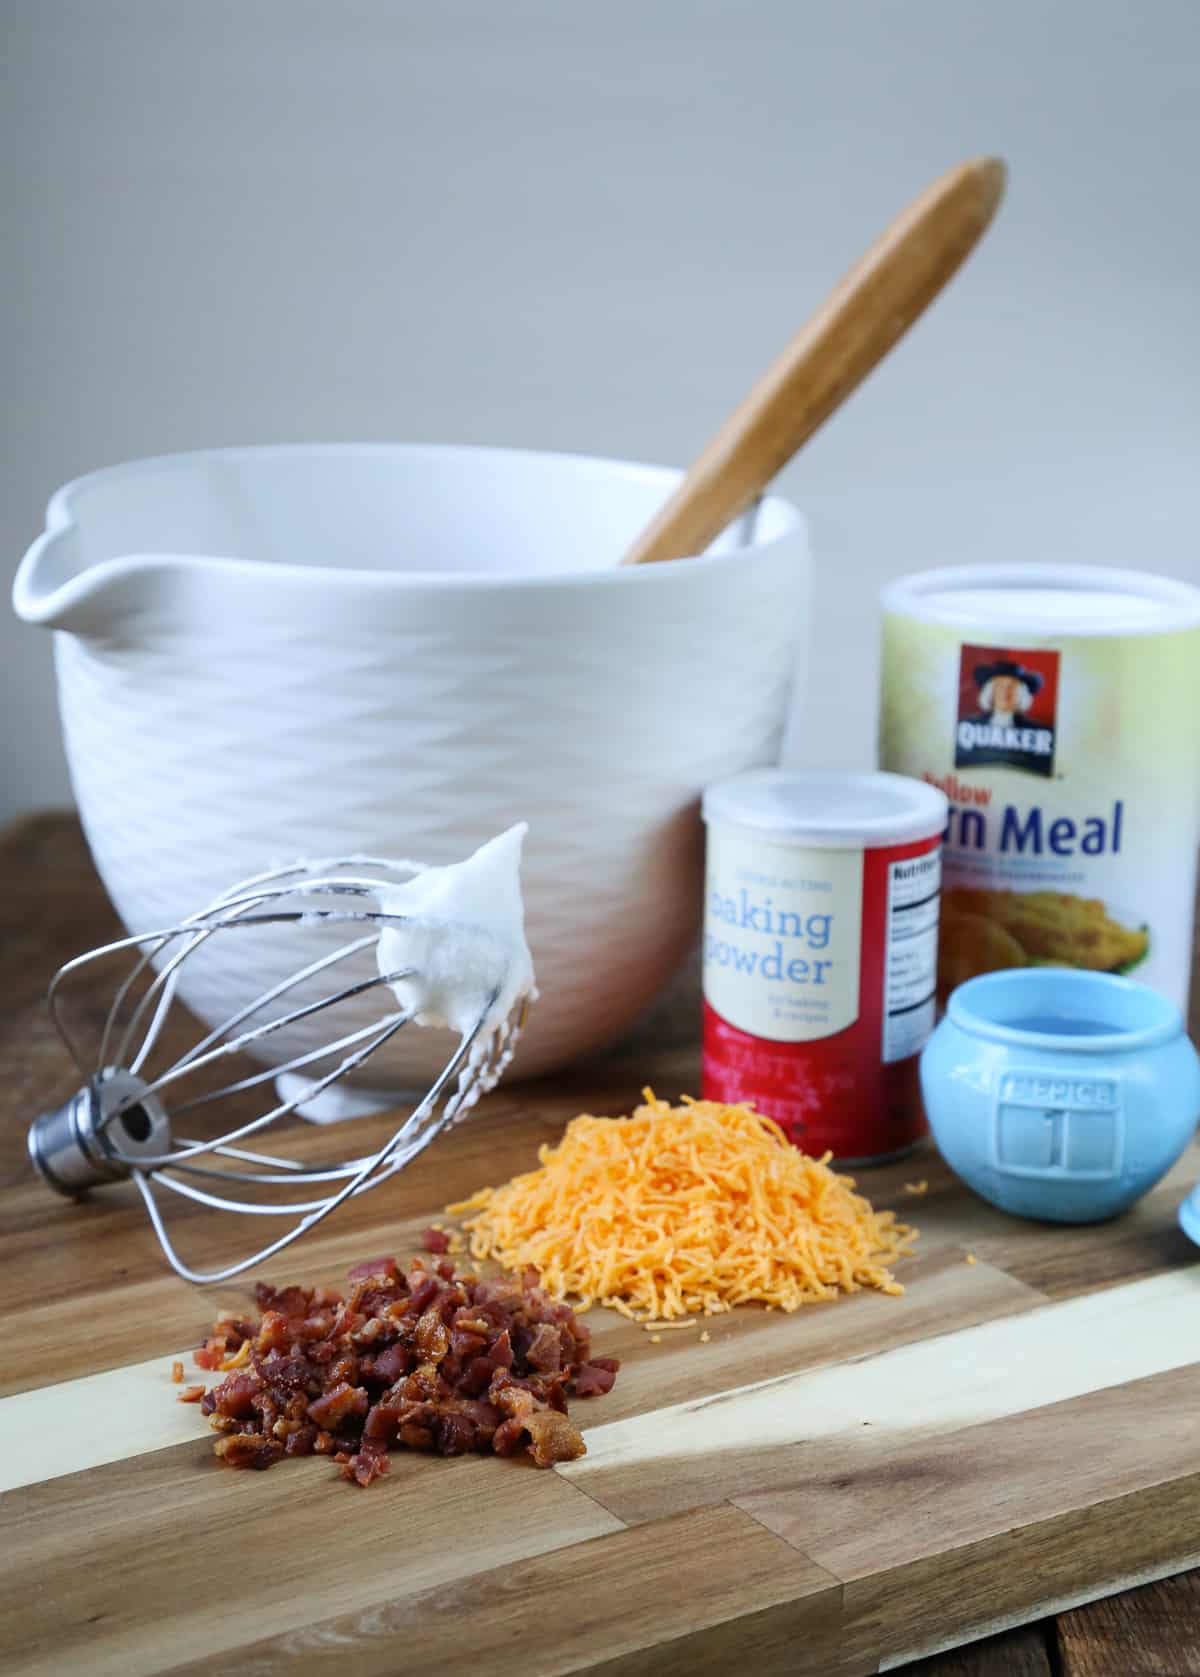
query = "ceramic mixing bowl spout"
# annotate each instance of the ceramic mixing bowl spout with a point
(57, 588)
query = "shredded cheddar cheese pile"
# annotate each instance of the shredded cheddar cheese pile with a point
(682, 1210)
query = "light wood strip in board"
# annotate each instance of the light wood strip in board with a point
(102, 1418)
(752, 1345)
(700, 1593)
(724, 1446)
(137, 1566)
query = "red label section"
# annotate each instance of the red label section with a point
(835, 1094)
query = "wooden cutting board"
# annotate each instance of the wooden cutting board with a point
(834, 1492)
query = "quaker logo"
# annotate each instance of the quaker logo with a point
(1006, 709)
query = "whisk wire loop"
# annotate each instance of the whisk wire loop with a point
(118, 1125)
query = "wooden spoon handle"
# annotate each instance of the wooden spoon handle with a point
(871, 308)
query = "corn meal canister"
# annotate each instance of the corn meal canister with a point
(820, 948)
(1056, 706)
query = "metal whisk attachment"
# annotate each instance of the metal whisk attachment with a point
(122, 1123)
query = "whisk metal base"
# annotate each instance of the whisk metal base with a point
(99, 1134)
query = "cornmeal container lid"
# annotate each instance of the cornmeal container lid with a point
(830, 810)
(1021, 599)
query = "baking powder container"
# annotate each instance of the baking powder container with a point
(820, 947)
(1056, 705)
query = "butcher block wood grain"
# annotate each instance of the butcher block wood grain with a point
(836, 1492)
(704, 1590)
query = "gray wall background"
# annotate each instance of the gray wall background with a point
(587, 227)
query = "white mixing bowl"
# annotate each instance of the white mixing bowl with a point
(275, 652)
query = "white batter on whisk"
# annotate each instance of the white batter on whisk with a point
(463, 934)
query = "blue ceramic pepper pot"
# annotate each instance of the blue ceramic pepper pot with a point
(1060, 1094)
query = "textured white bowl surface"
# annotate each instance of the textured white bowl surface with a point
(269, 653)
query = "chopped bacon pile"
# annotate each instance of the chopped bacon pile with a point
(425, 1360)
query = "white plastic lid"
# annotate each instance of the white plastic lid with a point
(828, 809)
(1046, 600)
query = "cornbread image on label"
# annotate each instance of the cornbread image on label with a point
(820, 953)
(1056, 707)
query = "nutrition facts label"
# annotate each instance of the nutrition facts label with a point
(910, 965)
